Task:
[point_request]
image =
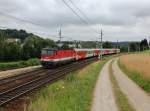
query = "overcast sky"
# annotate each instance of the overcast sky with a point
(124, 20)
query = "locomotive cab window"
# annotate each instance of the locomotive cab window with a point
(44, 52)
(48, 52)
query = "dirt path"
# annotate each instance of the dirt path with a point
(13, 72)
(103, 95)
(137, 97)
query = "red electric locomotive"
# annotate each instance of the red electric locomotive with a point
(52, 57)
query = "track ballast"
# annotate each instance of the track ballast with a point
(35, 80)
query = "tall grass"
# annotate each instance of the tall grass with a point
(73, 93)
(136, 77)
(19, 64)
(137, 62)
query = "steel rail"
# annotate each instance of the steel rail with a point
(18, 76)
(16, 92)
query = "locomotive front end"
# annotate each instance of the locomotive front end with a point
(47, 57)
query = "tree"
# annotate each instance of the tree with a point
(49, 43)
(123, 49)
(89, 44)
(33, 45)
(107, 45)
(28, 48)
(65, 46)
(2, 45)
(20, 34)
(12, 51)
(134, 46)
(144, 44)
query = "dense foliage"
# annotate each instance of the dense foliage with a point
(19, 64)
(96, 44)
(29, 45)
(13, 33)
(89, 44)
(144, 44)
(134, 46)
(138, 46)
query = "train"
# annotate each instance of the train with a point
(54, 57)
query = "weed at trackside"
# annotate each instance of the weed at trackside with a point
(19, 64)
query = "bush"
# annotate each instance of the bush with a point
(19, 64)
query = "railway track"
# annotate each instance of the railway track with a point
(11, 78)
(39, 78)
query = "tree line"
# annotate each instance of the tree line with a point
(137, 46)
(29, 46)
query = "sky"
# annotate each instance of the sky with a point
(122, 20)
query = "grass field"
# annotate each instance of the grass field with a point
(137, 62)
(18, 64)
(73, 93)
(137, 67)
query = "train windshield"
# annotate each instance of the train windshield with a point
(48, 52)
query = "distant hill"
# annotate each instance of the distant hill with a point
(13, 33)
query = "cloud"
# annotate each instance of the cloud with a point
(122, 19)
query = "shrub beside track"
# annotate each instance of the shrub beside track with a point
(19, 64)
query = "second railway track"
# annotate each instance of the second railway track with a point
(38, 79)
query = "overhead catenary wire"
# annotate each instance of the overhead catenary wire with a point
(24, 21)
(27, 21)
(83, 14)
(39, 25)
(81, 18)
(38, 33)
(79, 9)
(20, 19)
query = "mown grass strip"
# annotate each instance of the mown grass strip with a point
(73, 93)
(19, 64)
(120, 98)
(136, 77)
